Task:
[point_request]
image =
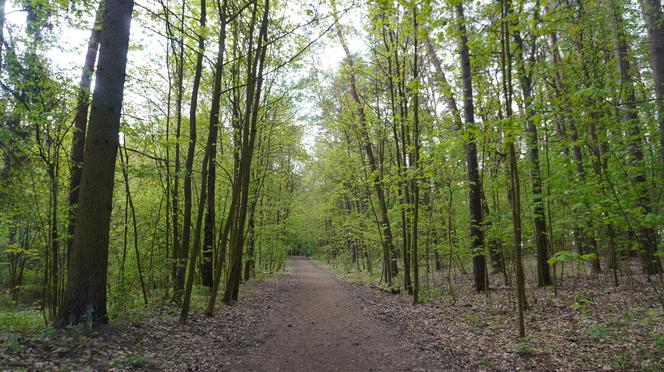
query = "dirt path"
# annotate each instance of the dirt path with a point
(315, 324)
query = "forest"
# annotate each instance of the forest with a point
(331, 185)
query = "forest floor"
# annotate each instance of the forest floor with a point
(308, 320)
(589, 323)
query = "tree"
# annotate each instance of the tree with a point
(472, 171)
(85, 294)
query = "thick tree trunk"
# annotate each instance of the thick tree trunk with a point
(80, 124)
(85, 294)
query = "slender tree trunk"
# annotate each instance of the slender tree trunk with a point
(124, 161)
(253, 91)
(415, 164)
(646, 235)
(401, 192)
(652, 13)
(208, 242)
(516, 223)
(2, 30)
(235, 193)
(475, 185)
(586, 240)
(249, 264)
(515, 186)
(189, 163)
(539, 219)
(176, 176)
(54, 240)
(371, 159)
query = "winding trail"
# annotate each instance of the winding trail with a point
(316, 325)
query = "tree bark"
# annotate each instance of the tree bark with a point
(371, 159)
(253, 91)
(652, 13)
(472, 171)
(189, 163)
(80, 124)
(209, 233)
(85, 294)
(539, 219)
(2, 30)
(646, 235)
(415, 163)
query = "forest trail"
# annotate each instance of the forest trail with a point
(316, 325)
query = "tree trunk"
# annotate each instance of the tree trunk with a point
(189, 163)
(652, 13)
(514, 186)
(124, 161)
(176, 176)
(646, 235)
(415, 164)
(539, 219)
(80, 124)
(2, 30)
(249, 265)
(253, 92)
(208, 242)
(585, 234)
(85, 294)
(371, 159)
(472, 171)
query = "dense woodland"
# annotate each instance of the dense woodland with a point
(467, 146)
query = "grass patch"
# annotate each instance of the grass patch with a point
(525, 347)
(130, 361)
(435, 293)
(486, 363)
(600, 332)
(22, 321)
(621, 362)
(136, 361)
(658, 343)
